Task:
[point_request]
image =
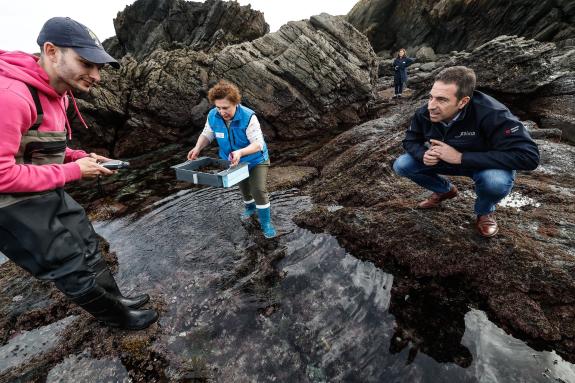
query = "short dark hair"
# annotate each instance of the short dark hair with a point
(63, 49)
(225, 90)
(461, 76)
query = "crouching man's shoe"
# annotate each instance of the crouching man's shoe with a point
(486, 225)
(436, 198)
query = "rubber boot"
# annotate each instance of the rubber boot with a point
(105, 279)
(266, 222)
(107, 308)
(250, 209)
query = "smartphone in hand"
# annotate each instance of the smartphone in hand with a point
(115, 164)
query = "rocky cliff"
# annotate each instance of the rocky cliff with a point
(455, 25)
(148, 25)
(309, 77)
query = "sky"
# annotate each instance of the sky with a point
(21, 20)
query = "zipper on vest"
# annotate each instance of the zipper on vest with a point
(230, 136)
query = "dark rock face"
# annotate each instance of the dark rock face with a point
(163, 95)
(557, 113)
(450, 25)
(516, 65)
(536, 78)
(147, 25)
(309, 77)
(508, 64)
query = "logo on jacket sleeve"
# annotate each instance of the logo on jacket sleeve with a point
(510, 131)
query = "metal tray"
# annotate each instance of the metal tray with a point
(186, 171)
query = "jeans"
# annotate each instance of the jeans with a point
(399, 87)
(491, 185)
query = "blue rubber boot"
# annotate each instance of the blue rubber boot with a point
(249, 210)
(266, 222)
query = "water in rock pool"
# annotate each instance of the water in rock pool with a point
(297, 308)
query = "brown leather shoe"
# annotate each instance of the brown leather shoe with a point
(486, 225)
(436, 198)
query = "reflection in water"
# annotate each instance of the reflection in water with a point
(501, 358)
(3, 258)
(298, 308)
(439, 334)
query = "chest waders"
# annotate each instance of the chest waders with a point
(49, 235)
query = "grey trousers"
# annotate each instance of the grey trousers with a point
(254, 187)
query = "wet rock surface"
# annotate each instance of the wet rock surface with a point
(26, 303)
(84, 369)
(22, 351)
(455, 25)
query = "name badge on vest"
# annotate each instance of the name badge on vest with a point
(220, 135)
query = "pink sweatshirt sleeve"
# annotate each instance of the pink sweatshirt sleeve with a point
(73, 155)
(16, 116)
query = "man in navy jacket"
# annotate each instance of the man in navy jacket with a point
(465, 132)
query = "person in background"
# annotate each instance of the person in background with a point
(42, 229)
(239, 136)
(400, 65)
(464, 132)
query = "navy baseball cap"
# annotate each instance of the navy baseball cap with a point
(65, 32)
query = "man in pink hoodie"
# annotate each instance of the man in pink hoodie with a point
(42, 229)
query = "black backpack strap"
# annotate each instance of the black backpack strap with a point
(39, 110)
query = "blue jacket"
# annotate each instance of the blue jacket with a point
(400, 68)
(234, 137)
(486, 132)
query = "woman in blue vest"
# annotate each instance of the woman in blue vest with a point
(400, 65)
(239, 136)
